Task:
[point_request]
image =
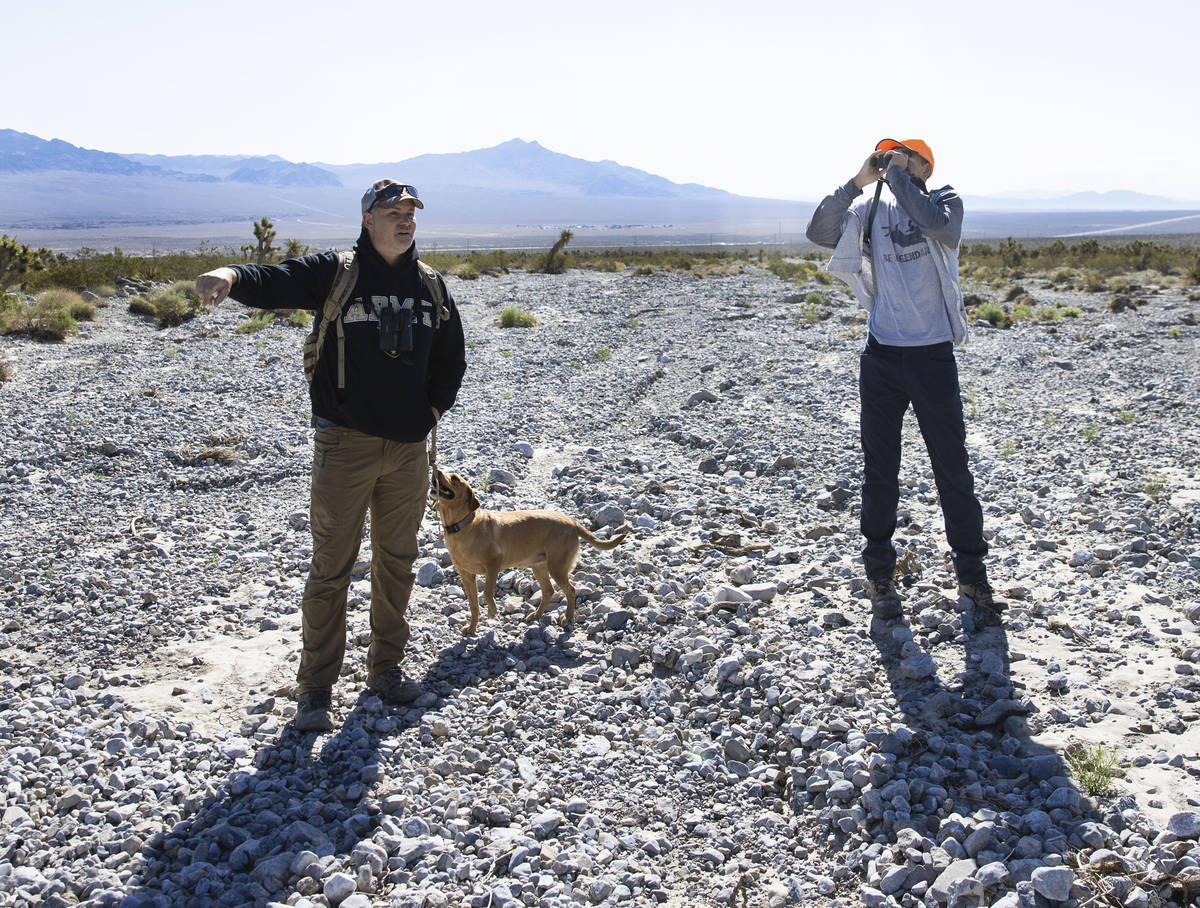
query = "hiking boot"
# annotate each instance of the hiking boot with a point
(313, 711)
(885, 601)
(394, 688)
(988, 612)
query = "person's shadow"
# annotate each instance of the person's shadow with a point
(245, 843)
(968, 737)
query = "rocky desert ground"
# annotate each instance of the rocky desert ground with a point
(725, 724)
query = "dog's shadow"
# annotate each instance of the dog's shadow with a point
(480, 657)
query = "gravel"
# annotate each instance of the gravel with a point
(725, 724)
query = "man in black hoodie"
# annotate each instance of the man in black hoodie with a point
(384, 377)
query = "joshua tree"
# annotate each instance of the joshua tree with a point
(553, 263)
(264, 233)
(293, 249)
(17, 260)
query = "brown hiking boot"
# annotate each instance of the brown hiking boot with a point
(313, 711)
(394, 688)
(988, 611)
(885, 600)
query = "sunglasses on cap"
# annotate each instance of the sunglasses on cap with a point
(396, 191)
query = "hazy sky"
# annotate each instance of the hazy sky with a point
(776, 99)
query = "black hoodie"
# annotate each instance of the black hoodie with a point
(387, 393)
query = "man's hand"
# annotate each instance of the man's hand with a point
(214, 286)
(437, 417)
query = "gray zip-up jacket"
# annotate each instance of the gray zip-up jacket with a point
(907, 276)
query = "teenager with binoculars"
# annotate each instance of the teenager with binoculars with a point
(900, 257)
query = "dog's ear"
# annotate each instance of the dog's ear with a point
(474, 499)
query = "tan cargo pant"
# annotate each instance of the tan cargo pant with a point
(351, 473)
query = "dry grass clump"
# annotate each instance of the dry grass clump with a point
(47, 318)
(512, 317)
(1121, 303)
(139, 305)
(1096, 767)
(233, 439)
(79, 308)
(176, 304)
(208, 456)
(258, 320)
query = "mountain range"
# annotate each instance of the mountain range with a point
(511, 188)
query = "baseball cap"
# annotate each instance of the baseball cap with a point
(917, 145)
(388, 193)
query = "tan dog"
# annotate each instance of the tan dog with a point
(486, 542)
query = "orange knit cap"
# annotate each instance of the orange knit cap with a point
(917, 145)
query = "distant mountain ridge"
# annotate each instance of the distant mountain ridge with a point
(528, 167)
(1113, 200)
(514, 188)
(23, 153)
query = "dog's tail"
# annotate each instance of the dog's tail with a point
(603, 544)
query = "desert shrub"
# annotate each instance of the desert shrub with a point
(823, 277)
(1193, 272)
(1091, 281)
(512, 317)
(682, 264)
(78, 308)
(604, 354)
(294, 249)
(643, 271)
(1062, 276)
(258, 320)
(608, 266)
(1095, 766)
(1047, 314)
(176, 304)
(5, 371)
(1070, 312)
(83, 311)
(466, 271)
(1016, 290)
(790, 270)
(990, 312)
(300, 318)
(1020, 312)
(50, 321)
(139, 305)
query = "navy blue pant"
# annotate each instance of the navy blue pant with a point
(889, 379)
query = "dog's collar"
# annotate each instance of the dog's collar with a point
(458, 525)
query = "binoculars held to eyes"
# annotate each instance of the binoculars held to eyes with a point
(882, 160)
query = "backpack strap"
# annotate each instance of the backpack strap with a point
(437, 290)
(343, 284)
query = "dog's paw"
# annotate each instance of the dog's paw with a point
(468, 628)
(534, 615)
